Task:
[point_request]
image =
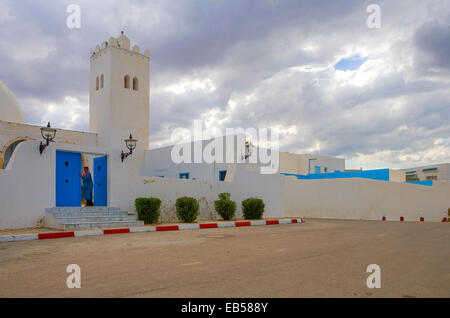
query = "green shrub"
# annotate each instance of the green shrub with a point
(187, 209)
(225, 207)
(253, 208)
(148, 209)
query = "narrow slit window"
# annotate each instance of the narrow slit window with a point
(135, 84)
(102, 79)
(126, 81)
(96, 84)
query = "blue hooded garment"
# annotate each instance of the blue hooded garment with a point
(87, 187)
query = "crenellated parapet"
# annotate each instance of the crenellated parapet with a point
(122, 42)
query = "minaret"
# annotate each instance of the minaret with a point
(119, 94)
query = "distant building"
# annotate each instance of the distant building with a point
(160, 164)
(439, 172)
(309, 163)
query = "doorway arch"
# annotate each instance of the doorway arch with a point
(8, 150)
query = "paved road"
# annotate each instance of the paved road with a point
(320, 258)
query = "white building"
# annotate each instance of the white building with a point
(33, 180)
(160, 162)
(439, 172)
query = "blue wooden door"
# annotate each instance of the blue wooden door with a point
(68, 181)
(101, 181)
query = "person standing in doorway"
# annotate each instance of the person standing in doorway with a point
(87, 186)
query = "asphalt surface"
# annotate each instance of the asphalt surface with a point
(319, 258)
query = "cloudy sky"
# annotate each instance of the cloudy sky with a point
(314, 70)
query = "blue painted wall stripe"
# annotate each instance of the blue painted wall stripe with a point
(423, 182)
(377, 174)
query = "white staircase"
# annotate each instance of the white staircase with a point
(73, 218)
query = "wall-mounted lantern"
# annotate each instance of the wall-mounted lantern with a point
(131, 145)
(48, 133)
(248, 150)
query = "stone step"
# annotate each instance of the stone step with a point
(83, 209)
(88, 214)
(90, 219)
(90, 225)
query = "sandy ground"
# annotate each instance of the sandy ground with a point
(320, 258)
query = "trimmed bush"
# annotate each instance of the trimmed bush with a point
(253, 208)
(148, 209)
(225, 207)
(187, 209)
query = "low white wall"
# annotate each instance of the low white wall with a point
(27, 187)
(245, 184)
(365, 199)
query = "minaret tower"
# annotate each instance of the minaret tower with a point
(119, 94)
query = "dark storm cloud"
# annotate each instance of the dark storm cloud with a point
(432, 41)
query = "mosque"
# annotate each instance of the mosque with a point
(40, 166)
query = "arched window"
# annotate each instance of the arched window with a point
(135, 83)
(96, 84)
(126, 81)
(102, 78)
(8, 150)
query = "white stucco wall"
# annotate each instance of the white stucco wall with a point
(396, 175)
(10, 132)
(365, 199)
(245, 184)
(28, 183)
(25, 188)
(28, 186)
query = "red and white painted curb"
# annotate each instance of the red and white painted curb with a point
(180, 227)
(421, 218)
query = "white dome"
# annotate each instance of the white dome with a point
(9, 106)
